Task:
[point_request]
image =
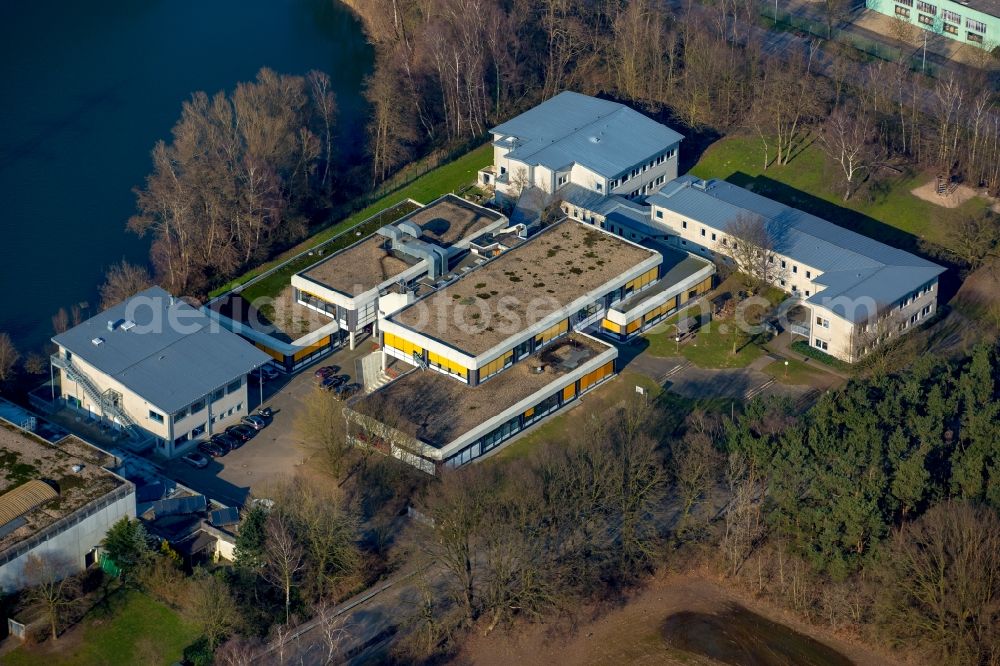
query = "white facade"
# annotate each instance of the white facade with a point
(71, 544)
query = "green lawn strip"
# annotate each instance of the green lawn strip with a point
(564, 425)
(433, 184)
(797, 372)
(130, 629)
(812, 182)
(709, 348)
(803, 347)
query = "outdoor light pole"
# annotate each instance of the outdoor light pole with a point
(677, 339)
(260, 383)
(786, 369)
(923, 64)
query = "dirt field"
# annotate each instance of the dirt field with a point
(633, 634)
(928, 192)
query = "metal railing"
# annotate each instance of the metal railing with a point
(109, 405)
(64, 523)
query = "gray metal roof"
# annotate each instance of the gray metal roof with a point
(162, 349)
(606, 137)
(853, 266)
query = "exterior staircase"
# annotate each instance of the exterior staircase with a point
(107, 400)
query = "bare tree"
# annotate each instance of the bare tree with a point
(976, 238)
(751, 244)
(122, 281)
(284, 557)
(49, 590)
(334, 630)
(849, 137)
(941, 583)
(36, 364)
(744, 526)
(237, 651)
(60, 321)
(8, 357)
(321, 428)
(211, 607)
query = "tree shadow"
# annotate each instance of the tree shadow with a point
(850, 219)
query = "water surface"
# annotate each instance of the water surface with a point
(88, 89)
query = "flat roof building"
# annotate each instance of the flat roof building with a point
(350, 286)
(157, 369)
(57, 501)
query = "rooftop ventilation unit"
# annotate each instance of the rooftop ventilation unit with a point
(128, 325)
(97, 342)
(112, 324)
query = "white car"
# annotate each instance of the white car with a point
(196, 460)
(270, 371)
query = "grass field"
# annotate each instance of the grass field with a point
(797, 372)
(446, 178)
(812, 182)
(131, 629)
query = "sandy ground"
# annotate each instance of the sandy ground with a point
(928, 192)
(631, 634)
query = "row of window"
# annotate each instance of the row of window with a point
(496, 365)
(531, 415)
(447, 365)
(642, 281)
(402, 345)
(953, 19)
(199, 405)
(551, 333)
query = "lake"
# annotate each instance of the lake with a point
(90, 87)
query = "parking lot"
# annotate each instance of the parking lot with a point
(275, 451)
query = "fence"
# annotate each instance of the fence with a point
(872, 48)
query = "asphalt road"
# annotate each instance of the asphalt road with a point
(275, 452)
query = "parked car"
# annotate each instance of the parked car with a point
(334, 381)
(196, 460)
(227, 442)
(211, 449)
(254, 421)
(326, 371)
(241, 432)
(265, 412)
(345, 391)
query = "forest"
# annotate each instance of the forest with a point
(250, 172)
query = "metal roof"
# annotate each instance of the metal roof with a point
(162, 349)
(24, 498)
(853, 266)
(606, 137)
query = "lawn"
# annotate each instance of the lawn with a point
(711, 347)
(445, 178)
(812, 182)
(797, 372)
(566, 423)
(131, 629)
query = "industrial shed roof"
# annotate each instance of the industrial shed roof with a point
(162, 349)
(606, 137)
(853, 266)
(24, 498)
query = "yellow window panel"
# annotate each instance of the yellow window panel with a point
(611, 326)
(569, 392)
(633, 326)
(529, 413)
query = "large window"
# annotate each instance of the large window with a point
(972, 24)
(949, 15)
(926, 8)
(155, 416)
(235, 386)
(402, 345)
(447, 365)
(902, 12)
(591, 379)
(197, 406)
(974, 37)
(642, 281)
(496, 365)
(925, 19)
(552, 333)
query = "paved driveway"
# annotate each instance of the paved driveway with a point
(275, 451)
